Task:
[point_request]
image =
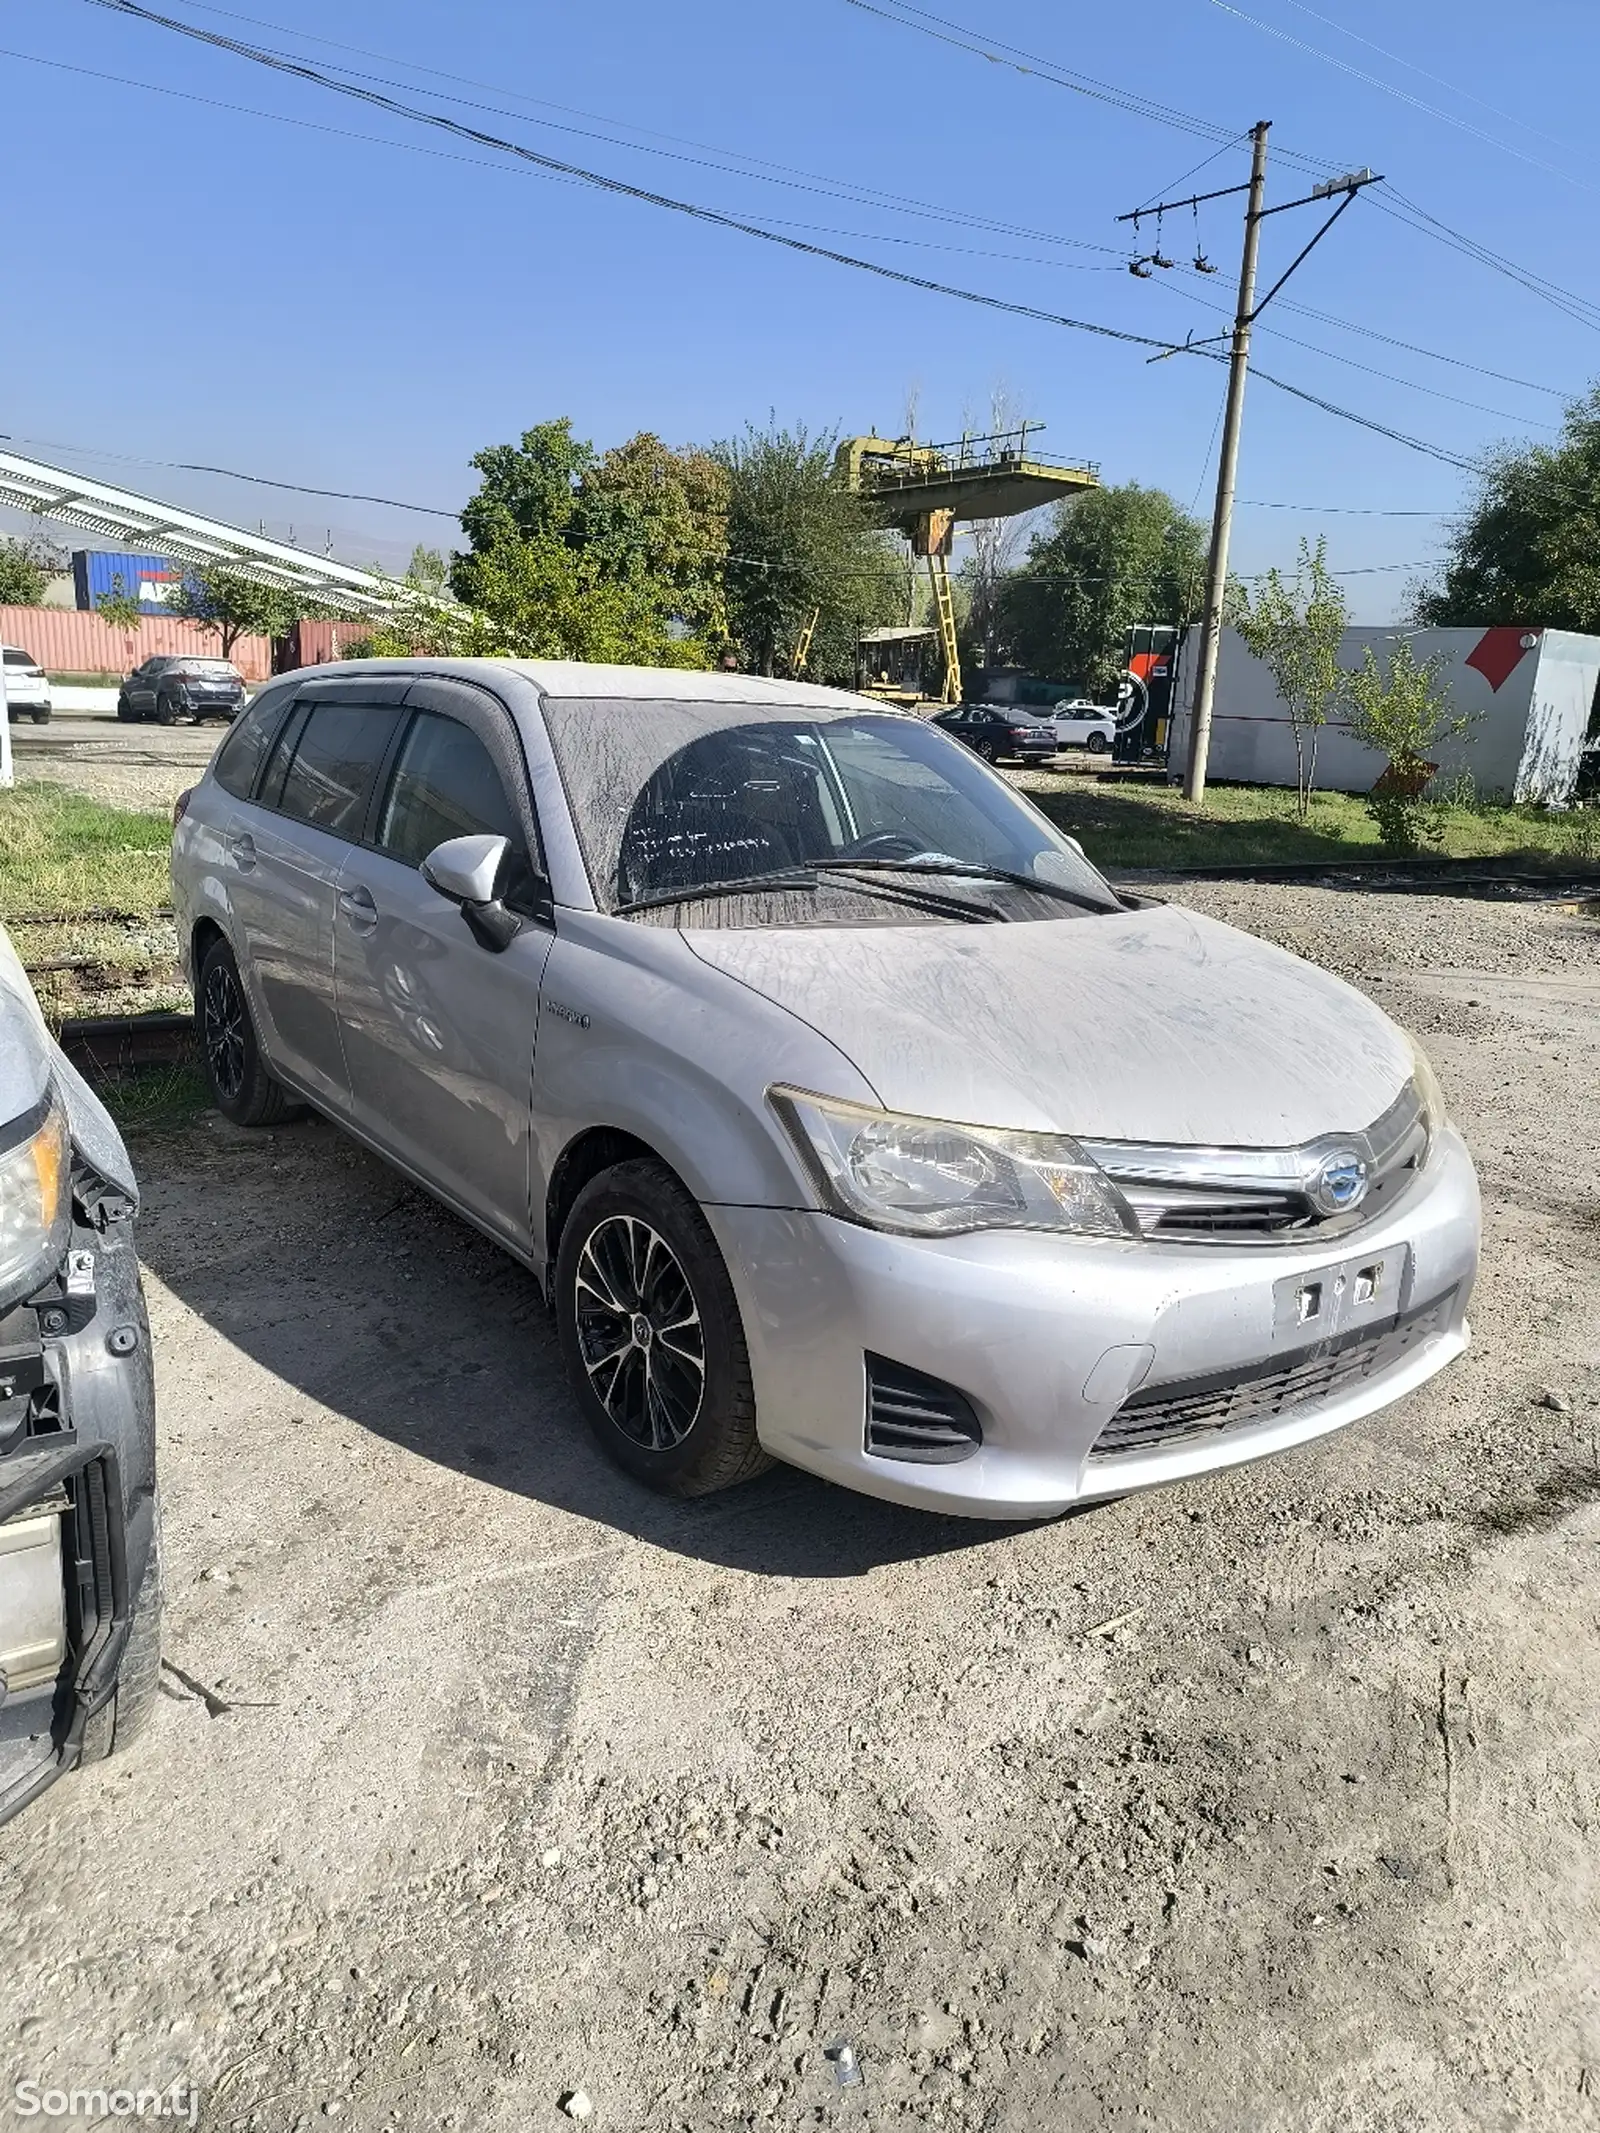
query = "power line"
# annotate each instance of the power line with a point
(835, 187)
(1417, 103)
(301, 70)
(908, 17)
(1411, 67)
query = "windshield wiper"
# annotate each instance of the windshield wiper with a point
(968, 869)
(742, 885)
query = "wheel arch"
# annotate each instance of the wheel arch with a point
(589, 1154)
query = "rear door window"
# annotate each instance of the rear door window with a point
(325, 762)
(242, 753)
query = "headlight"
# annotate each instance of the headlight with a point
(35, 1205)
(924, 1177)
(1429, 1094)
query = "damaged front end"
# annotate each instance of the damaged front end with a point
(80, 1581)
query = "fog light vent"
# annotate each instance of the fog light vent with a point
(912, 1416)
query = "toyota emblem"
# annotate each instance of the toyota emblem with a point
(1340, 1182)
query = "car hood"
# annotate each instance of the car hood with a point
(1154, 1025)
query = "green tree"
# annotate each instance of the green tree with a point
(802, 542)
(24, 573)
(118, 609)
(1403, 712)
(1527, 549)
(229, 605)
(579, 555)
(1295, 626)
(1110, 558)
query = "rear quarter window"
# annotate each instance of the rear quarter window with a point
(241, 755)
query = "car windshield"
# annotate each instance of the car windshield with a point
(671, 799)
(14, 658)
(207, 669)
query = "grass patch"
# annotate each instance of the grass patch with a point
(62, 852)
(1128, 825)
(155, 1099)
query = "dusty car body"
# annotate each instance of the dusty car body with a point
(80, 1573)
(850, 1117)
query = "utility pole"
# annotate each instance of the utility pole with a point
(1256, 212)
(1205, 673)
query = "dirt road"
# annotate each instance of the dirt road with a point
(1268, 1802)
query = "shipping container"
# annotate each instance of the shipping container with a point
(151, 579)
(66, 642)
(1527, 695)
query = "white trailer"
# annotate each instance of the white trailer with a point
(1529, 694)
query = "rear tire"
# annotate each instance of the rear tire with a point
(241, 1086)
(1096, 744)
(166, 711)
(42, 718)
(651, 1335)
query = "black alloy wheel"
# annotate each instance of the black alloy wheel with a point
(224, 1028)
(986, 750)
(241, 1086)
(651, 1334)
(639, 1332)
(166, 711)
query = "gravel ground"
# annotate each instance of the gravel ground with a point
(139, 766)
(1268, 1801)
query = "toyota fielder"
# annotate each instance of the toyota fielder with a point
(850, 1117)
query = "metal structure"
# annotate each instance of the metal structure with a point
(921, 490)
(145, 524)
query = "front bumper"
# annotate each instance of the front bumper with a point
(1048, 1337)
(84, 1450)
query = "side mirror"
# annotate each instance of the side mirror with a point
(467, 870)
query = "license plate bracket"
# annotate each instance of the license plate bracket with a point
(1367, 1288)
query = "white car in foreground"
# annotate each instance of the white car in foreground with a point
(27, 689)
(1084, 725)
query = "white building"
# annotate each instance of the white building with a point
(1529, 694)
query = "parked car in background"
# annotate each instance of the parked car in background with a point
(1024, 692)
(998, 735)
(1084, 725)
(848, 1114)
(80, 1530)
(27, 688)
(167, 689)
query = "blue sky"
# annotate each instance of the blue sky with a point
(354, 302)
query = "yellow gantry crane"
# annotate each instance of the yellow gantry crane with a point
(921, 490)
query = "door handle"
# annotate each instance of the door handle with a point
(361, 913)
(242, 850)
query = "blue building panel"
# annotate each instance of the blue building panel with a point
(152, 579)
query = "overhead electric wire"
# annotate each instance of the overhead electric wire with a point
(909, 17)
(1417, 103)
(302, 70)
(998, 53)
(1455, 88)
(869, 195)
(717, 157)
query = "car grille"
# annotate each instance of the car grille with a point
(915, 1417)
(1263, 1195)
(1193, 1409)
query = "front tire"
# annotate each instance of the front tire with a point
(42, 718)
(241, 1086)
(651, 1336)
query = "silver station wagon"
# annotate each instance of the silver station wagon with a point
(849, 1116)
